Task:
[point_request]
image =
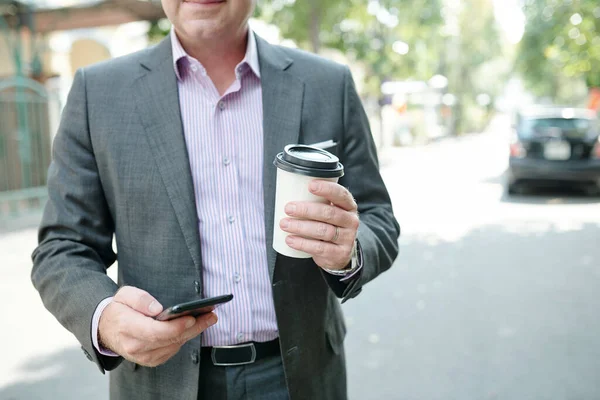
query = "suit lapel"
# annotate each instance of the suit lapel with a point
(282, 95)
(158, 108)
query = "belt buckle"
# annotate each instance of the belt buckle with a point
(219, 364)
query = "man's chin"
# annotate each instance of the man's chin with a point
(202, 29)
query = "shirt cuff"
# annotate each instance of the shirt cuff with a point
(95, 325)
(356, 264)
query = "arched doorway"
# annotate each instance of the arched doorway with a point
(85, 52)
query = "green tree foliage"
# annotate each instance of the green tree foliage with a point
(158, 30)
(473, 43)
(561, 43)
(366, 32)
(396, 40)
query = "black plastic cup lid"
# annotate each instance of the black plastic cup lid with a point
(310, 161)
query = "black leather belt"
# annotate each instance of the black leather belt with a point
(240, 354)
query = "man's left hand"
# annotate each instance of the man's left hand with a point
(325, 231)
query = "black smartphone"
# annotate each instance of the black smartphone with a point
(193, 308)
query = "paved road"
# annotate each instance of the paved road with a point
(491, 298)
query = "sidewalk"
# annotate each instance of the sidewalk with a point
(16, 224)
(40, 359)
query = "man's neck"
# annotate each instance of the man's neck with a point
(219, 57)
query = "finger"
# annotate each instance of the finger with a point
(139, 300)
(138, 334)
(334, 192)
(317, 230)
(203, 322)
(138, 330)
(329, 214)
(147, 334)
(320, 249)
(179, 330)
(135, 332)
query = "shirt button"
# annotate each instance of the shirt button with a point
(240, 336)
(231, 219)
(226, 161)
(194, 357)
(197, 286)
(237, 278)
(222, 105)
(194, 68)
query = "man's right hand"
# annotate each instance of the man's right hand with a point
(127, 327)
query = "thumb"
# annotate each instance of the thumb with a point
(139, 300)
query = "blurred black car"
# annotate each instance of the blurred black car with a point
(555, 147)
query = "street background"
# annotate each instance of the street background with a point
(492, 296)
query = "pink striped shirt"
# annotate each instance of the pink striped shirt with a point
(224, 138)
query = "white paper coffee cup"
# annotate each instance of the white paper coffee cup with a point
(297, 166)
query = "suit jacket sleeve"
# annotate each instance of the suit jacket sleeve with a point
(378, 231)
(75, 235)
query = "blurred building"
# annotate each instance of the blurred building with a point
(43, 43)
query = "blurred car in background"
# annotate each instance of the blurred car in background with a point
(555, 147)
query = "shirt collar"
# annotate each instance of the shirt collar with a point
(181, 58)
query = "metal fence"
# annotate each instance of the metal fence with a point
(26, 127)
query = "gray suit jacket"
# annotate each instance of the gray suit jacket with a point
(120, 167)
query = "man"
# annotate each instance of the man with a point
(171, 151)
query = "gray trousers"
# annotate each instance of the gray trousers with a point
(262, 380)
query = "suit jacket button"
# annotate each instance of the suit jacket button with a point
(197, 286)
(195, 358)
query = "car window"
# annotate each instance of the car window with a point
(542, 126)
